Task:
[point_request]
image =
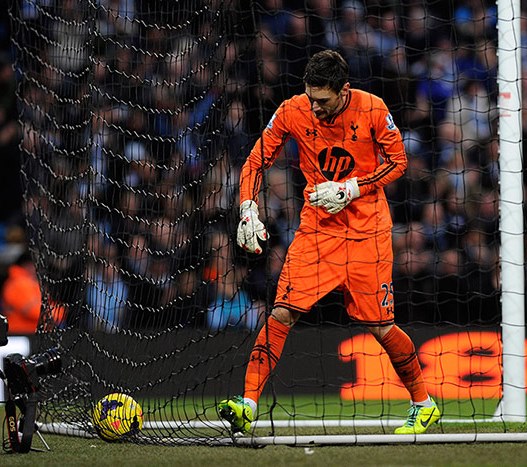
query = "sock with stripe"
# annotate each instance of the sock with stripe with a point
(264, 357)
(401, 351)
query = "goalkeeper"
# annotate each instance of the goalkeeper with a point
(349, 149)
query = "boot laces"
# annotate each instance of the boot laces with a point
(413, 411)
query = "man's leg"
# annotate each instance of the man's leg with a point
(265, 354)
(369, 299)
(401, 350)
(305, 278)
(267, 351)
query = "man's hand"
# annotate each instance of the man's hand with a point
(334, 196)
(250, 228)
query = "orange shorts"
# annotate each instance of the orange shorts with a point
(317, 263)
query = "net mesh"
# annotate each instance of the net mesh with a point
(137, 116)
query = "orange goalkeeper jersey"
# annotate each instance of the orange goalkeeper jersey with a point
(360, 141)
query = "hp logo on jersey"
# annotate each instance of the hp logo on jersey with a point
(335, 163)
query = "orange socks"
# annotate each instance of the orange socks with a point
(270, 343)
(264, 357)
(401, 351)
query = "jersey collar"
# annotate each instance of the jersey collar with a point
(331, 120)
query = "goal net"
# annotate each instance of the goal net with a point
(137, 116)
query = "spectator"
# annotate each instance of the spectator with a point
(232, 306)
(295, 50)
(467, 125)
(172, 241)
(323, 25)
(117, 17)
(281, 206)
(219, 188)
(10, 185)
(482, 269)
(20, 296)
(353, 18)
(451, 298)
(107, 293)
(141, 172)
(478, 62)
(410, 236)
(461, 176)
(275, 17)
(262, 281)
(67, 49)
(456, 216)
(236, 132)
(413, 284)
(435, 87)
(435, 227)
(147, 275)
(416, 32)
(474, 19)
(219, 254)
(268, 92)
(409, 194)
(355, 41)
(386, 38)
(487, 215)
(186, 300)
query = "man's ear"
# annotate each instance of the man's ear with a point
(345, 89)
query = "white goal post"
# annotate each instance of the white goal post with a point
(512, 407)
(312, 440)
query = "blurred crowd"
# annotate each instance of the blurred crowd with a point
(134, 136)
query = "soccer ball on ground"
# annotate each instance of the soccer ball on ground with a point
(117, 416)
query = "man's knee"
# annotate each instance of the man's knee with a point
(380, 331)
(285, 316)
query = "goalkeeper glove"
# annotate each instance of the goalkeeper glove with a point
(250, 228)
(334, 196)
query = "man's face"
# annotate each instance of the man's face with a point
(324, 101)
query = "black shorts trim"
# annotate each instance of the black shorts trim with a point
(374, 323)
(290, 307)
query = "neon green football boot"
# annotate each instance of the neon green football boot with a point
(238, 413)
(419, 419)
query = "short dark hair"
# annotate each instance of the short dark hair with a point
(327, 68)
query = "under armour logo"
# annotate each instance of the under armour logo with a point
(313, 132)
(261, 360)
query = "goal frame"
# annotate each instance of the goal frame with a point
(512, 407)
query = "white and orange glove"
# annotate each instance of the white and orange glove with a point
(334, 196)
(250, 228)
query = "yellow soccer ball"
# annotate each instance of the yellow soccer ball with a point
(117, 416)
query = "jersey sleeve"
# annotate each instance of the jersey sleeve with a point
(389, 145)
(264, 153)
